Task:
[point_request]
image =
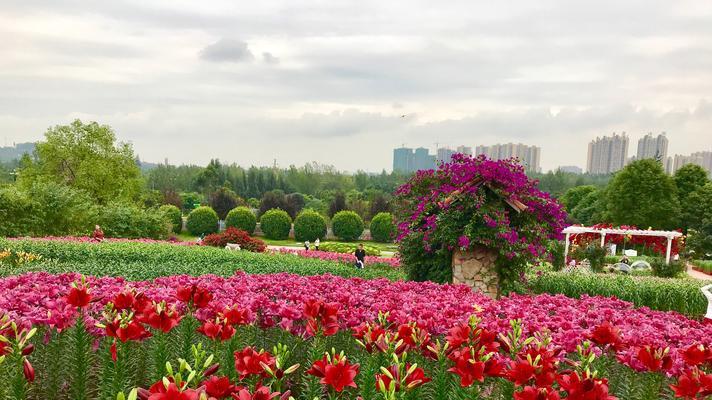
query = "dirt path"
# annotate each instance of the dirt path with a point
(697, 274)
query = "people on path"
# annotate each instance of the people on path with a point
(707, 291)
(306, 245)
(316, 244)
(360, 254)
(625, 260)
(98, 234)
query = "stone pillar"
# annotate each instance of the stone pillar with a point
(476, 268)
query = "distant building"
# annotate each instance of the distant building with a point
(444, 154)
(669, 165)
(701, 158)
(607, 154)
(464, 150)
(571, 169)
(408, 161)
(16, 151)
(650, 146)
(529, 156)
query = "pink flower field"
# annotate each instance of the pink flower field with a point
(40, 299)
(339, 257)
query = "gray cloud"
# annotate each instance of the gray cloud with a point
(227, 50)
(268, 58)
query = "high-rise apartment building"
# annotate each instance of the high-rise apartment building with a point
(406, 160)
(607, 154)
(701, 158)
(650, 146)
(464, 150)
(529, 156)
(443, 154)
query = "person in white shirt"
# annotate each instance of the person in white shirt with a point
(316, 244)
(707, 291)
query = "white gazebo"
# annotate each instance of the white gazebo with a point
(670, 235)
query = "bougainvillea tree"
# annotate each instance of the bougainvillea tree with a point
(474, 201)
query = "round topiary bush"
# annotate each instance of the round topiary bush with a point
(174, 215)
(276, 224)
(201, 221)
(382, 227)
(347, 225)
(309, 225)
(241, 218)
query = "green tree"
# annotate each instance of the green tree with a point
(689, 178)
(85, 157)
(573, 196)
(642, 194)
(591, 209)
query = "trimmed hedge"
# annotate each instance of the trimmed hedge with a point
(276, 224)
(664, 294)
(241, 218)
(347, 225)
(382, 227)
(202, 221)
(129, 221)
(174, 215)
(142, 261)
(309, 225)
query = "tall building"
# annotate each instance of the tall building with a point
(607, 154)
(650, 146)
(701, 158)
(443, 154)
(528, 156)
(406, 160)
(464, 150)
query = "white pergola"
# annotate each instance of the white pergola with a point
(572, 230)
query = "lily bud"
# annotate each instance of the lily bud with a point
(211, 370)
(28, 349)
(27, 370)
(143, 394)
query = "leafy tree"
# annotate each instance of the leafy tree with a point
(273, 199)
(295, 204)
(689, 178)
(85, 157)
(573, 196)
(379, 204)
(590, 210)
(642, 194)
(337, 204)
(223, 200)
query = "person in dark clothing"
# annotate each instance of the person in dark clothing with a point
(360, 254)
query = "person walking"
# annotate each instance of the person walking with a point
(316, 244)
(306, 245)
(360, 254)
(707, 291)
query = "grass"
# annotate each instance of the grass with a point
(703, 265)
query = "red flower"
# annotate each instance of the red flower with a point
(319, 366)
(340, 375)
(534, 393)
(696, 355)
(458, 335)
(369, 334)
(217, 329)
(236, 316)
(261, 393)
(112, 351)
(693, 384)
(521, 372)
(655, 359)
(194, 295)
(219, 388)
(126, 330)
(28, 370)
(162, 318)
(467, 367)
(123, 301)
(321, 317)
(587, 388)
(606, 334)
(160, 392)
(411, 380)
(248, 362)
(4, 348)
(79, 296)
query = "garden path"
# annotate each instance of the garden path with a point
(697, 274)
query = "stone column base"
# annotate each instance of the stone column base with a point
(476, 268)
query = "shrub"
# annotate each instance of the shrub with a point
(681, 295)
(174, 215)
(16, 212)
(556, 251)
(663, 270)
(309, 225)
(128, 221)
(241, 218)
(223, 200)
(347, 225)
(595, 254)
(276, 224)
(382, 227)
(203, 220)
(234, 235)
(337, 247)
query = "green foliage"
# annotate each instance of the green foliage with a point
(16, 212)
(276, 224)
(559, 182)
(174, 215)
(85, 157)
(142, 261)
(590, 209)
(592, 252)
(704, 265)
(338, 203)
(201, 221)
(642, 194)
(241, 218)
(682, 295)
(689, 178)
(347, 225)
(309, 225)
(573, 196)
(664, 270)
(128, 221)
(348, 248)
(382, 227)
(223, 200)
(423, 266)
(556, 250)
(699, 242)
(190, 201)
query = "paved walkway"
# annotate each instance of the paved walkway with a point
(697, 274)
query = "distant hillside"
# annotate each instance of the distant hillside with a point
(15, 152)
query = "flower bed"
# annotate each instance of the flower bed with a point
(339, 257)
(88, 239)
(522, 347)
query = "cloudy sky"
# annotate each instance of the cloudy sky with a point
(329, 81)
